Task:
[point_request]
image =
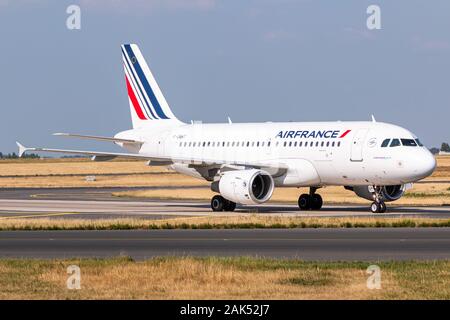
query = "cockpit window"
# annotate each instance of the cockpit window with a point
(385, 143)
(419, 143)
(408, 142)
(395, 143)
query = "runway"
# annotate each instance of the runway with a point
(306, 244)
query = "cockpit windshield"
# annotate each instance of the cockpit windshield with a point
(395, 143)
(401, 142)
(408, 142)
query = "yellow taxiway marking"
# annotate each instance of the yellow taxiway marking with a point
(41, 215)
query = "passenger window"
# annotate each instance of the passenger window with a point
(339, 144)
(385, 143)
(395, 143)
(408, 142)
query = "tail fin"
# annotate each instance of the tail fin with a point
(145, 97)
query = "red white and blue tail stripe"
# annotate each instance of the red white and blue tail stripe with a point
(146, 99)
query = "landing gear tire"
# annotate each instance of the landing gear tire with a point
(378, 207)
(229, 205)
(304, 202)
(316, 202)
(217, 203)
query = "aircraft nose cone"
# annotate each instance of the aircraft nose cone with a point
(424, 165)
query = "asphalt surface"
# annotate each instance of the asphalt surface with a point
(306, 244)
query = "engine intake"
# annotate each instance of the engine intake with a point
(246, 186)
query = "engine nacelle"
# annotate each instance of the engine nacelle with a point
(388, 193)
(246, 186)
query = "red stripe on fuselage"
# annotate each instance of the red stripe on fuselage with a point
(134, 101)
(345, 133)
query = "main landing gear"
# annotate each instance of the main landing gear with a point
(311, 201)
(378, 206)
(219, 203)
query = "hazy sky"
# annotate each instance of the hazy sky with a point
(260, 60)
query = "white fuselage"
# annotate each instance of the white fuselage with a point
(314, 153)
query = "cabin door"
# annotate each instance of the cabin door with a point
(358, 144)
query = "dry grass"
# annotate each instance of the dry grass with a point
(221, 278)
(216, 221)
(71, 173)
(163, 179)
(44, 167)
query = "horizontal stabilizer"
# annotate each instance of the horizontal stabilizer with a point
(70, 135)
(22, 149)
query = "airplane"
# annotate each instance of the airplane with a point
(244, 162)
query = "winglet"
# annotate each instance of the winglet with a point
(229, 120)
(373, 118)
(22, 149)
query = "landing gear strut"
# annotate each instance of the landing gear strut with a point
(378, 206)
(311, 201)
(219, 203)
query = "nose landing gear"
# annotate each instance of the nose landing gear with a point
(311, 201)
(378, 206)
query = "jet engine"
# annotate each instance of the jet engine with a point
(388, 193)
(246, 186)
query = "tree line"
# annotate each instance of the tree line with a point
(15, 155)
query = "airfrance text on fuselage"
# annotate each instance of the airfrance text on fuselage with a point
(308, 134)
